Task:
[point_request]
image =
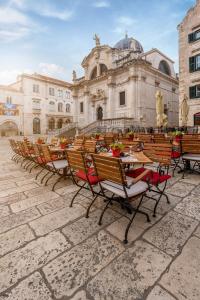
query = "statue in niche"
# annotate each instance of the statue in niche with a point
(74, 76)
(97, 40)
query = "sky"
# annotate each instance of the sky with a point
(52, 37)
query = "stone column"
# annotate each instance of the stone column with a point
(111, 100)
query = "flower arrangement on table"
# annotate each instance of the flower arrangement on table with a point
(40, 140)
(130, 135)
(63, 142)
(97, 135)
(177, 135)
(116, 149)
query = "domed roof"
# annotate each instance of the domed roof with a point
(129, 44)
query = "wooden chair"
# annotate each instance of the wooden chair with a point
(114, 180)
(81, 172)
(191, 154)
(108, 140)
(90, 146)
(55, 167)
(160, 154)
(16, 153)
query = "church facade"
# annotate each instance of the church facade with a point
(121, 82)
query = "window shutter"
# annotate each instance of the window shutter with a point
(192, 63)
(191, 37)
(193, 92)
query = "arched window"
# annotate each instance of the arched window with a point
(51, 123)
(60, 107)
(94, 73)
(103, 69)
(36, 126)
(59, 123)
(51, 106)
(68, 107)
(164, 67)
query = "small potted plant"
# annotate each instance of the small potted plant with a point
(63, 143)
(178, 135)
(97, 135)
(116, 149)
(130, 135)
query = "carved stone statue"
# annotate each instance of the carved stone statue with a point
(97, 40)
(74, 76)
(162, 119)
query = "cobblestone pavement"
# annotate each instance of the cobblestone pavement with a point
(50, 251)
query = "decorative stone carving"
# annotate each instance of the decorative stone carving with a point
(74, 76)
(97, 40)
(99, 96)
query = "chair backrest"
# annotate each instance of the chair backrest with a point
(129, 144)
(109, 168)
(190, 137)
(145, 138)
(21, 148)
(46, 153)
(76, 160)
(160, 153)
(90, 146)
(108, 140)
(190, 146)
(37, 150)
(79, 142)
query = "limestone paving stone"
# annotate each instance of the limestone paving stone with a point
(15, 220)
(15, 238)
(183, 276)
(12, 198)
(196, 191)
(180, 189)
(22, 262)
(70, 188)
(36, 191)
(32, 288)
(70, 271)
(81, 295)
(8, 185)
(118, 230)
(83, 228)
(171, 232)
(33, 201)
(131, 274)
(190, 206)
(192, 179)
(163, 207)
(159, 294)
(53, 205)
(18, 190)
(55, 220)
(197, 232)
(4, 211)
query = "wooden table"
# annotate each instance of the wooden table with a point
(134, 158)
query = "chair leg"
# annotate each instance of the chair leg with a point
(44, 177)
(131, 221)
(105, 208)
(57, 181)
(49, 179)
(40, 172)
(76, 195)
(88, 210)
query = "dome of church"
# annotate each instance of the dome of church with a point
(129, 44)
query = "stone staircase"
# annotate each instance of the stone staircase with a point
(68, 130)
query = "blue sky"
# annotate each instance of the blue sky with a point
(53, 36)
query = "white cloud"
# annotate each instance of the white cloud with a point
(101, 4)
(10, 35)
(52, 70)
(52, 13)
(10, 76)
(10, 15)
(123, 23)
(126, 21)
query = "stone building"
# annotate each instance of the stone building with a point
(189, 62)
(11, 111)
(121, 82)
(43, 103)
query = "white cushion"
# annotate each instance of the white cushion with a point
(58, 164)
(132, 191)
(195, 157)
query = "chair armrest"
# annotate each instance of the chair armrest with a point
(141, 176)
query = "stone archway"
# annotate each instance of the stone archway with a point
(99, 113)
(9, 128)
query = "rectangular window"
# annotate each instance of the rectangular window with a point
(35, 88)
(122, 98)
(195, 91)
(194, 36)
(51, 91)
(194, 63)
(60, 93)
(81, 107)
(36, 104)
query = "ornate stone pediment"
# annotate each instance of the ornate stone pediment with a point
(98, 96)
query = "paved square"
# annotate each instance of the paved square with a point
(49, 251)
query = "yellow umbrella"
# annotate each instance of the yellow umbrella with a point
(184, 111)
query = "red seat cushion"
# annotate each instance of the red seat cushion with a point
(176, 154)
(40, 159)
(91, 177)
(154, 178)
